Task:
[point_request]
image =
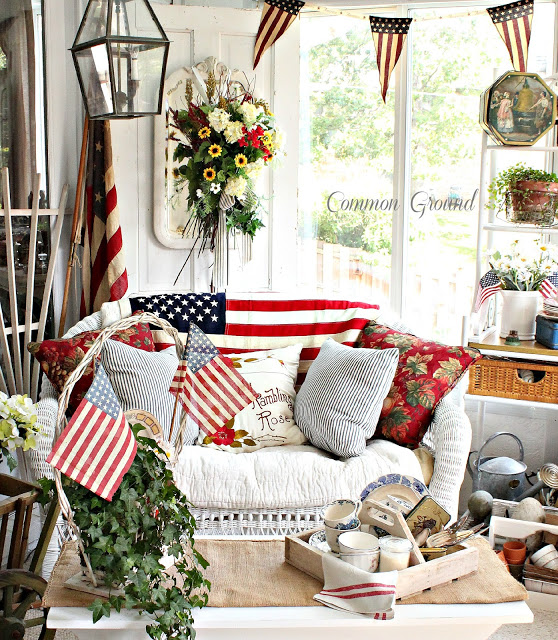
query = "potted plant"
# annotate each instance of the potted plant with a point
(131, 539)
(522, 272)
(526, 195)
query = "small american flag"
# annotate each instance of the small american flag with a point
(389, 36)
(97, 447)
(104, 275)
(549, 287)
(513, 22)
(208, 385)
(277, 17)
(489, 284)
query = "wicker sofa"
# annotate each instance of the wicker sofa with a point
(280, 490)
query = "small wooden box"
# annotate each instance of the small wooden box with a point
(461, 561)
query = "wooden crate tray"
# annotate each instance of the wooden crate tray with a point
(462, 560)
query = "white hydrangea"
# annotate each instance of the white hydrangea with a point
(236, 186)
(233, 131)
(219, 119)
(250, 113)
(253, 169)
(278, 139)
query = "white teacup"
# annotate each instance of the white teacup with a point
(357, 542)
(339, 512)
(367, 561)
(332, 535)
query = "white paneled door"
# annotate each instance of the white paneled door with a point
(228, 35)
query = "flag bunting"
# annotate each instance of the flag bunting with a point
(277, 17)
(513, 22)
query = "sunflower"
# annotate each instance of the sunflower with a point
(214, 150)
(267, 139)
(268, 158)
(204, 132)
(240, 160)
(209, 174)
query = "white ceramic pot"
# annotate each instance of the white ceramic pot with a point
(519, 312)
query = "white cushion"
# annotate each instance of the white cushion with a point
(339, 404)
(293, 476)
(268, 421)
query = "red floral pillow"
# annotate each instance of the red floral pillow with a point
(58, 358)
(426, 372)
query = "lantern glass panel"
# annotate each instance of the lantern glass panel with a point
(94, 70)
(137, 77)
(133, 18)
(94, 24)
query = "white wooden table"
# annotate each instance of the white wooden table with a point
(411, 622)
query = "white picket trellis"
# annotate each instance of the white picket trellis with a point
(22, 376)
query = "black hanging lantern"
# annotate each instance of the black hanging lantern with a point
(121, 71)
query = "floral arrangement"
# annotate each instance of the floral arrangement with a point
(524, 269)
(18, 426)
(223, 144)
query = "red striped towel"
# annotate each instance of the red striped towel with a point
(347, 588)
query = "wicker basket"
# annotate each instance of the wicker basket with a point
(500, 378)
(64, 397)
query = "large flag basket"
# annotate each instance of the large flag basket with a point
(61, 420)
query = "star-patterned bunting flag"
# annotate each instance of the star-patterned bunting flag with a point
(277, 17)
(513, 22)
(389, 36)
(97, 447)
(208, 386)
(206, 310)
(104, 276)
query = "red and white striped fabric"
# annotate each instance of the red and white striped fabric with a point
(264, 321)
(97, 447)
(104, 276)
(347, 588)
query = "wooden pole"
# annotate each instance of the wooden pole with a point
(75, 225)
(173, 416)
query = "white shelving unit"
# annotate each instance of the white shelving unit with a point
(489, 343)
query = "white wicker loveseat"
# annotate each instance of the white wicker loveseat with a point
(279, 490)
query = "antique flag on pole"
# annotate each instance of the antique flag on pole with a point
(389, 36)
(97, 447)
(104, 276)
(513, 22)
(277, 17)
(207, 384)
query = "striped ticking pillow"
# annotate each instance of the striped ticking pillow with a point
(338, 406)
(143, 382)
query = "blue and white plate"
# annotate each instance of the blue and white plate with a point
(405, 487)
(319, 541)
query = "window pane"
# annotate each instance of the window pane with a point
(346, 163)
(23, 144)
(453, 62)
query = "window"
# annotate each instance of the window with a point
(377, 182)
(22, 139)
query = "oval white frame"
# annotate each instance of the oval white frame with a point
(161, 164)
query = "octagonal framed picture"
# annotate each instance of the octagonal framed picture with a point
(518, 109)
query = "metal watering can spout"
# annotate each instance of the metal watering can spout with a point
(502, 477)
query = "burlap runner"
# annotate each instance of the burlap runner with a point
(253, 573)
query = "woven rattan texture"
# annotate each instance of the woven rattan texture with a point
(500, 378)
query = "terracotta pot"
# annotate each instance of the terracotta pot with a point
(537, 198)
(515, 552)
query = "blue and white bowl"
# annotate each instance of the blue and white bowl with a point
(340, 512)
(349, 526)
(332, 534)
